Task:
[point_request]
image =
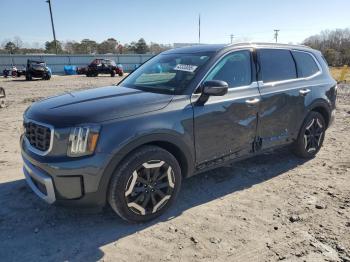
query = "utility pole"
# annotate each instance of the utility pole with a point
(232, 36)
(53, 27)
(276, 34)
(199, 28)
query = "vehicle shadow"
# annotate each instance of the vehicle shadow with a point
(43, 232)
(24, 80)
(105, 76)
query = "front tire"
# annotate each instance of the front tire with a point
(29, 77)
(46, 77)
(145, 184)
(311, 136)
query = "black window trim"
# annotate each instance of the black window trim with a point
(253, 83)
(315, 60)
(278, 81)
(291, 50)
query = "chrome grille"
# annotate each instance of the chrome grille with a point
(38, 136)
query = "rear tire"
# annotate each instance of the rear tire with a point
(311, 136)
(145, 184)
(113, 73)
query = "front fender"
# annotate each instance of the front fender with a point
(170, 128)
(168, 136)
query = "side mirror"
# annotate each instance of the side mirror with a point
(214, 88)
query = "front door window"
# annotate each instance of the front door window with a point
(235, 69)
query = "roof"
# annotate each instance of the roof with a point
(35, 61)
(267, 44)
(219, 47)
(196, 49)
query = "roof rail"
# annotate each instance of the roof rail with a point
(267, 44)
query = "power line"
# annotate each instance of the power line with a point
(276, 34)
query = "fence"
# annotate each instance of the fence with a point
(57, 62)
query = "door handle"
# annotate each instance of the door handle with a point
(252, 102)
(304, 92)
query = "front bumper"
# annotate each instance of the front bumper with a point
(39, 182)
(67, 181)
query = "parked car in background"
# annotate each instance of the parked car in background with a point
(6, 72)
(81, 70)
(14, 72)
(37, 69)
(104, 66)
(183, 112)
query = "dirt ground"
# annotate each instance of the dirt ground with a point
(339, 72)
(269, 208)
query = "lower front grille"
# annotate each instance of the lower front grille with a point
(38, 136)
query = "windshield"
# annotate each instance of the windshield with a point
(39, 65)
(110, 62)
(167, 73)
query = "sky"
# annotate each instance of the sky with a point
(170, 21)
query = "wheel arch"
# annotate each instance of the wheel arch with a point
(171, 143)
(321, 106)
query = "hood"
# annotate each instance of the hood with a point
(95, 105)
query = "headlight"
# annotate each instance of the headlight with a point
(83, 141)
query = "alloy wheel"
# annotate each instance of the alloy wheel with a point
(313, 135)
(150, 187)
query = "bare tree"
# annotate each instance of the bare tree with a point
(335, 45)
(18, 42)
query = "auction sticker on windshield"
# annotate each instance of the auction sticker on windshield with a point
(186, 68)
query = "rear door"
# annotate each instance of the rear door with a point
(225, 126)
(283, 97)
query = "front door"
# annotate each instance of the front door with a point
(225, 126)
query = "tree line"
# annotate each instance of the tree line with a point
(334, 44)
(86, 46)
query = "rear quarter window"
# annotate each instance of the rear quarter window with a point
(306, 64)
(276, 65)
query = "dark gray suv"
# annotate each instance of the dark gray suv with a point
(184, 111)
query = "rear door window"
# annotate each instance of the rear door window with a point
(276, 65)
(306, 64)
